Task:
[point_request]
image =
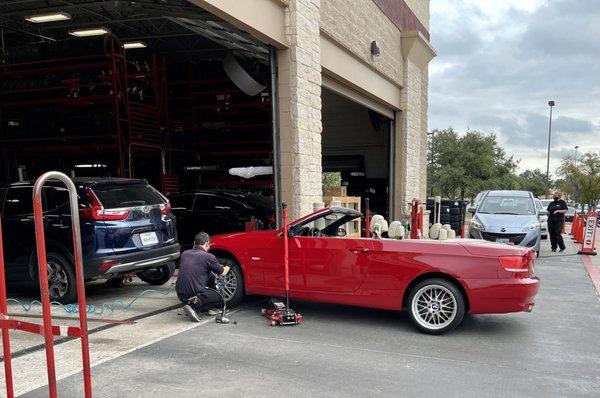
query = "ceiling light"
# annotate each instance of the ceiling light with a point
(55, 16)
(134, 44)
(90, 32)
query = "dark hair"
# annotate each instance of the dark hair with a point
(201, 238)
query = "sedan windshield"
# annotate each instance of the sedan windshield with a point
(512, 205)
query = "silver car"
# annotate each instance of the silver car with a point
(508, 217)
(543, 219)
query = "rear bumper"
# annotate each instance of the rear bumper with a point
(132, 262)
(496, 296)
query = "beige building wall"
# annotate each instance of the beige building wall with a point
(300, 108)
(421, 10)
(355, 24)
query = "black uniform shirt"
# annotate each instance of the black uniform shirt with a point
(556, 205)
(194, 271)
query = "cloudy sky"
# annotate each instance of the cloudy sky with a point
(500, 61)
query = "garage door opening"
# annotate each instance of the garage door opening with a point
(356, 143)
(158, 90)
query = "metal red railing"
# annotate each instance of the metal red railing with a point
(47, 329)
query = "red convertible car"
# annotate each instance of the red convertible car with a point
(436, 282)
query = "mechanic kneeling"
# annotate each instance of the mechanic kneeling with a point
(195, 267)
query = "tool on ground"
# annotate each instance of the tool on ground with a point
(220, 285)
(277, 311)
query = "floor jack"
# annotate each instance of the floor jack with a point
(278, 312)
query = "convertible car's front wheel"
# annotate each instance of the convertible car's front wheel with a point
(231, 285)
(436, 306)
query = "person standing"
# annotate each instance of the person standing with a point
(195, 267)
(556, 219)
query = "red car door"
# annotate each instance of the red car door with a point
(265, 262)
(333, 264)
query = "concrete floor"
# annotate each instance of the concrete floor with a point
(343, 351)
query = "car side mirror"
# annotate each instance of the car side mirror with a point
(291, 233)
(543, 212)
(341, 232)
(472, 210)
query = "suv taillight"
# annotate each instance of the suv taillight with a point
(519, 266)
(165, 208)
(98, 213)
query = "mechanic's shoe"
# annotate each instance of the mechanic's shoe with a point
(213, 312)
(189, 311)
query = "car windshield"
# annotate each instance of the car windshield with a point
(512, 205)
(327, 224)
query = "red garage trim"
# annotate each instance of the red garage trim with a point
(401, 15)
(592, 271)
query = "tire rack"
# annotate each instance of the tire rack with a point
(206, 116)
(136, 126)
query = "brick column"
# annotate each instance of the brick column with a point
(299, 69)
(411, 122)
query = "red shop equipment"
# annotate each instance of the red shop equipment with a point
(574, 223)
(47, 329)
(416, 220)
(588, 241)
(580, 228)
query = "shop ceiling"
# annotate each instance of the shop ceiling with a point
(170, 27)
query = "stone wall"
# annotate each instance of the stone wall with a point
(300, 107)
(355, 24)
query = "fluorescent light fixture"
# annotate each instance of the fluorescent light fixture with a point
(90, 166)
(90, 32)
(55, 16)
(134, 44)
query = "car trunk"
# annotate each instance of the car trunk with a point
(136, 216)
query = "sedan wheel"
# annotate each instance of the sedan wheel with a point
(436, 306)
(231, 285)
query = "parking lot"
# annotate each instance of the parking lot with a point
(152, 350)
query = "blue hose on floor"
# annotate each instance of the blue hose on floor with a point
(92, 309)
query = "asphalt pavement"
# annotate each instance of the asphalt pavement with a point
(343, 351)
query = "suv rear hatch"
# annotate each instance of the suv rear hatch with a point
(136, 216)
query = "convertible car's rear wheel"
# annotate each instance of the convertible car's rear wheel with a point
(436, 306)
(231, 285)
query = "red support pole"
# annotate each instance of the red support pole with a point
(8, 377)
(286, 255)
(367, 218)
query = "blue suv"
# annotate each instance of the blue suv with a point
(126, 228)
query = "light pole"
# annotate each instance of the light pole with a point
(576, 148)
(432, 153)
(550, 104)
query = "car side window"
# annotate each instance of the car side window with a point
(56, 198)
(215, 203)
(19, 202)
(183, 202)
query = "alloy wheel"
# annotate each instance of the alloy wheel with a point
(58, 282)
(227, 285)
(434, 307)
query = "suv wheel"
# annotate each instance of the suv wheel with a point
(158, 275)
(61, 279)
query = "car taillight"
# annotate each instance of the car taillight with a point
(520, 266)
(165, 208)
(98, 213)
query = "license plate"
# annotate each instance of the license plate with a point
(149, 238)
(502, 240)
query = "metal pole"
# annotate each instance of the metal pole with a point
(43, 278)
(576, 148)
(8, 377)
(286, 264)
(550, 104)
(276, 132)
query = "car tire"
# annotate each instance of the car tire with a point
(233, 291)
(427, 314)
(62, 283)
(157, 275)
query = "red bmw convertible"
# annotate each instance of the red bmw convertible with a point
(436, 282)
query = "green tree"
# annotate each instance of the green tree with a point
(583, 177)
(534, 181)
(462, 165)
